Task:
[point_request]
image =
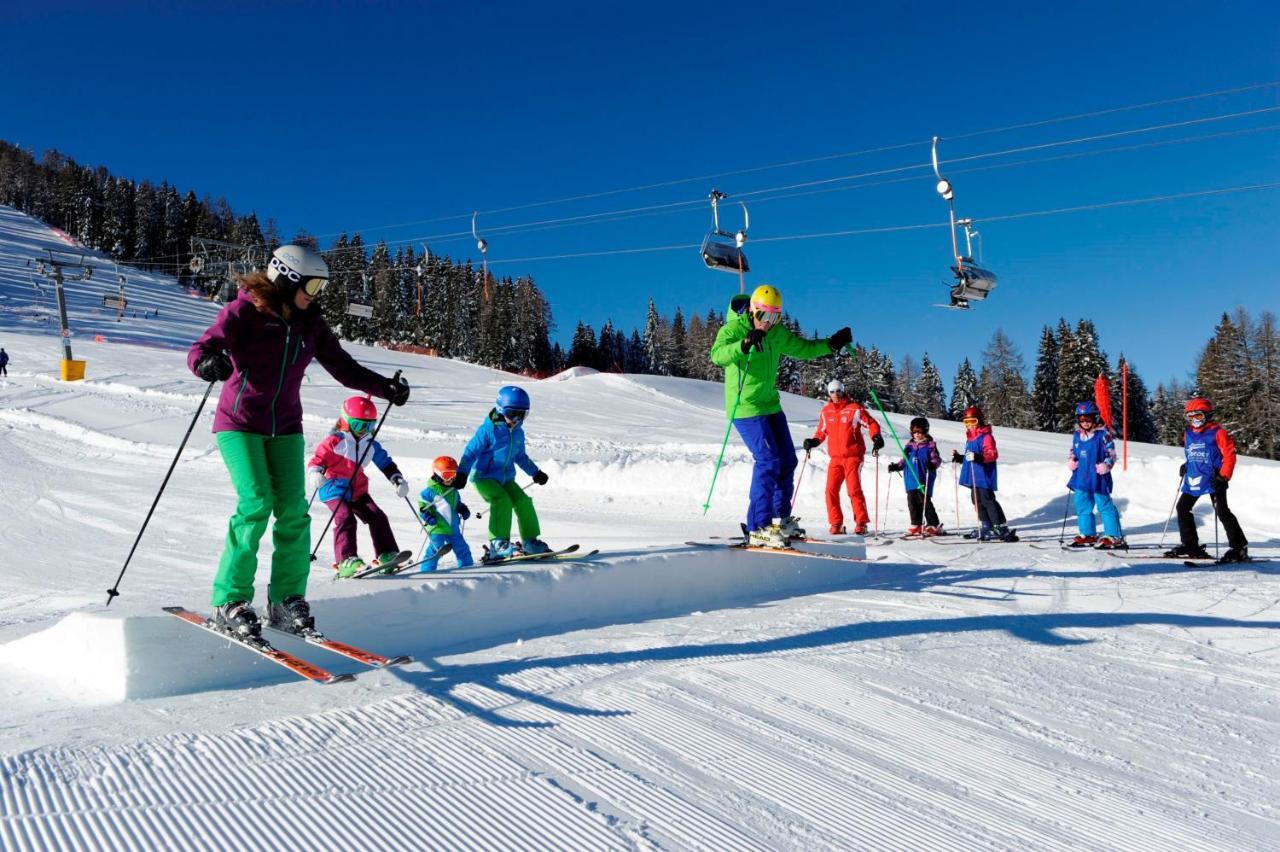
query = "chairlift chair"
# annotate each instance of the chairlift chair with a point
(721, 249)
(973, 282)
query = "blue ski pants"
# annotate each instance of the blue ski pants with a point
(769, 440)
(1085, 503)
(438, 540)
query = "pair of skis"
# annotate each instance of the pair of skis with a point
(297, 665)
(789, 550)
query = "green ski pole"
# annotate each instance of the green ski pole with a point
(728, 429)
(894, 432)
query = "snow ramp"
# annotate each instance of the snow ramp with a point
(103, 658)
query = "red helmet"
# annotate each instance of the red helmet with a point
(446, 468)
(1199, 404)
(360, 407)
(974, 412)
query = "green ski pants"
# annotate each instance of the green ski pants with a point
(269, 476)
(502, 498)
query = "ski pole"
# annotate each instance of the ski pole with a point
(876, 504)
(742, 378)
(795, 494)
(1062, 536)
(887, 494)
(359, 467)
(1172, 506)
(894, 432)
(955, 483)
(1213, 500)
(115, 590)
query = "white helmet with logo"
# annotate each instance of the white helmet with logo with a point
(293, 267)
(835, 386)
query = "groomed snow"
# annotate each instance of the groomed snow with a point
(951, 696)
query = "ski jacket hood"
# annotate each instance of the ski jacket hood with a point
(751, 381)
(270, 356)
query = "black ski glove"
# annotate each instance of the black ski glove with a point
(430, 517)
(897, 467)
(396, 391)
(956, 457)
(877, 444)
(460, 481)
(810, 443)
(840, 339)
(1219, 483)
(540, 478)
(463, 511)
(752, 340)
(1182, 471)
(214, 367)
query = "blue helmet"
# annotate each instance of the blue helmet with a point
(512, 398)
(1087, 408)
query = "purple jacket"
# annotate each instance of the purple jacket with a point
(270, 357)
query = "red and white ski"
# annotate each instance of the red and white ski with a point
(360, 655)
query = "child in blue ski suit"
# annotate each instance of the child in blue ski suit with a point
(1093, 454)
(923, 459)
(979, 474)
(443, 512)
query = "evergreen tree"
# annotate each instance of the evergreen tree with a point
(964, 390)
(1263, 412)
(1081, 361)
(1044, 387)
(637, 360)
(582, 350)
(1005, 400)
(1169, 412)
(930, 398)
(656, 349)
(1223, 375)
(908, 373)
(1142, 423)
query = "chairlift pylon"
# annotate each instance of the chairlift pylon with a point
(973, 282)
(721, 249)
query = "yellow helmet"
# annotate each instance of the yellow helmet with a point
(766, 299)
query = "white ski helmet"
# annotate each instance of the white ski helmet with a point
(835, 386)
(300, 268)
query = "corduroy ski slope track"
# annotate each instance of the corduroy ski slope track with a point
(656, 696)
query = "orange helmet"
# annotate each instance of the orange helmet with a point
(1199, 404)
(445, 468)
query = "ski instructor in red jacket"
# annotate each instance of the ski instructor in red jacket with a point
(840, 424)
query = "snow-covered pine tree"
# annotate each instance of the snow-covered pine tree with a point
(930, 396)
(1223, 375)
(1169, 412)
(964, 390)
(382, 280)
(637, 361)
(333, 300)
(582, 349)
(908, 374)
(1142, 424)
(1080, 362)
(656, 348)
(1263, 413)
(1044, 386)
(1005, 400)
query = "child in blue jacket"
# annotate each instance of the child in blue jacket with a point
(442, 510)
(923, 459)
(979, 474)
(1093, 454)
(494, 452)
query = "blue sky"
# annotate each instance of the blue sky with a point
(352, 116)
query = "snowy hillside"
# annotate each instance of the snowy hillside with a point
(951, 695)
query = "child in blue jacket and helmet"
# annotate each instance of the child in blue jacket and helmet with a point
(1093, 454)
(494, 452)
(979, 474)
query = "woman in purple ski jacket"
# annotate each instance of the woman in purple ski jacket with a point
(259, 347)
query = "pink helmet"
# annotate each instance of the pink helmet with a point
(360, 407)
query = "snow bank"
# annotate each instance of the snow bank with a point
(103, 659)
(572, 373)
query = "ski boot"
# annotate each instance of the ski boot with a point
(238, 620)
(292, 615)
(497, 550)
(914, 532)
(531, 546)
(790, 527)
(1236, 554)
(1083, 541)
(1003, 533)
(860, 529)
(1112, 543)
(770, 536)
(930, 532)
(983, 534)
(388, 561)
(836, 529)
(350, 567)
(1184, 551)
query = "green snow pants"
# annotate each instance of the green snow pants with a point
(502, 497)
(269, 476)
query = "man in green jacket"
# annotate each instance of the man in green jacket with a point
(748, 347)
